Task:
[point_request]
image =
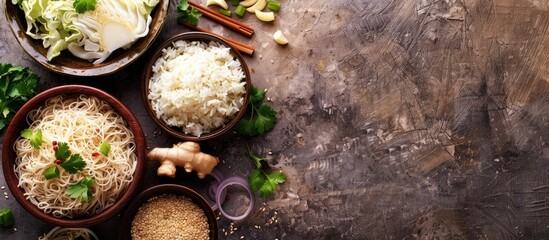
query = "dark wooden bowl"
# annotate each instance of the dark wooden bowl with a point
(68, 64)
(129, 214)
(176, 131)
(19, 123)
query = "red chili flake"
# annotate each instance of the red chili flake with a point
(95, 154)
(58, 161)
(54, 143)
(55, 148)
(98, 130)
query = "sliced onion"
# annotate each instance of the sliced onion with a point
(218, 177)
(221, 191)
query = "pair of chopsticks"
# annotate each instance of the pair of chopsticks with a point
(227, 22)
(241, 47)
(224, 20)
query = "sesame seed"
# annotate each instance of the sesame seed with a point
(3, 187)
(170, 217)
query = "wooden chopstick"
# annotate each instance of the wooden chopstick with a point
(241, 47)
(224, 20)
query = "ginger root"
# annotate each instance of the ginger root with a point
(183, 154)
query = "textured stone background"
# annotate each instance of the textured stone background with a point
(410, 119)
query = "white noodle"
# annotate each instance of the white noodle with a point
(58, 233)
(84, 123)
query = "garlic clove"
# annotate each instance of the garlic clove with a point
(248, 3)
(265, 16)
(220, 3)
(280, 38)
(259, 5)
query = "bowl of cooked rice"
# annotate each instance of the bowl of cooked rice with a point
(86, 40)
(74, 156)
(196, 86)
(169, 211)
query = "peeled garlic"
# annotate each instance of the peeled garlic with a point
(280, 38)
(265, 16)
(247, 3)
(220, 3)
(259, 5)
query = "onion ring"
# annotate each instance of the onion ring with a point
(221, 191)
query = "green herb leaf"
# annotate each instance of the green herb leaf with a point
(256, 179)
(105, 148)
(277, 177)
(260, 181)
(17, 85)
(246, 127)
(63, 151)
(257, 160)
(74, 164)
(261, 119)
(272, 181)
(256, 95)
(51, 172)
(187, 14)
(34, 137)
(82, 6)
(82, 189)
(266, 118)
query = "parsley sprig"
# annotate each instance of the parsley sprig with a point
(82, 189)
(262, 116)
(260, 179)
(72, 163)
(35, 137)
(17, 85)
(187, 13)
(82, 6)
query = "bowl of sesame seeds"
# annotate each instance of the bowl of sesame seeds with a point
(169, 211)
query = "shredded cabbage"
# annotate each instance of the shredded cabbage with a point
(60, 27)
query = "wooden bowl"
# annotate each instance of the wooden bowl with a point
(163, 189)
(176, 131)
(68, 64)
(19, 123)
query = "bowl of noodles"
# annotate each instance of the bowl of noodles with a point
(85, 41)
(74, 156)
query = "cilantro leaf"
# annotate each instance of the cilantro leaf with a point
(82, 189)
(34, 137)
(260, 181)
(246, 127)
(82, 6)
(74, 164)
(256, 95)
(266, 118)
(187, 14)
(63, 151)
(17, 85)
(261, 119)
(105, 148)
(257, 160)
(271, 183)
(277, 177)
(256, 179)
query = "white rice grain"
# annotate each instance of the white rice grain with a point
(196, 86)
